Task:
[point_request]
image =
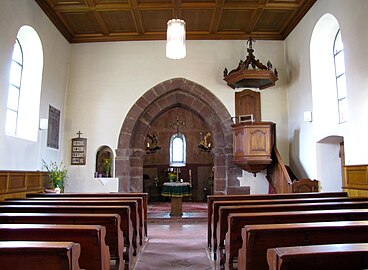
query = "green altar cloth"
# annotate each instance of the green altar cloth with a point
(176, 190)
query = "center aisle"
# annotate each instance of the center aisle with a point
(175, 246)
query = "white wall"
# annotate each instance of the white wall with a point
(304, 136)
(18, 154)
(106, 79)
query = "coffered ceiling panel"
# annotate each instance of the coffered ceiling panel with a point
(112, 20)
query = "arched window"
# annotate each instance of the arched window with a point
(328, 76)
(15, 79)
(177, 150)
(339, 60)
(22, 116)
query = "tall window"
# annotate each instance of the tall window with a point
(16, 70)
(22, 116)
(339, 60)
(177, 150)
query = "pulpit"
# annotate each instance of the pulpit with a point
(176, 191)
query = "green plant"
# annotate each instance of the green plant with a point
(57, 173)
(107, 166)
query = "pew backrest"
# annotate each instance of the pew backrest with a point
(257, 239)
(114, 234)
(319, 257)
(94, 251)
(39, 255)
(219, 217)
(212, 198)
(123, 211)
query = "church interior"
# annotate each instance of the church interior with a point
(181, 132)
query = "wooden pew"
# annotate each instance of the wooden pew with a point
(319, 257)
(224, 211)
(143, 195)
(123, 211)
(39, 255)
(94, 251)
(236, 221)
(212, 198)
(257, 239)
(140, 201)
(134, 216)
(219, 224)
(114, 234)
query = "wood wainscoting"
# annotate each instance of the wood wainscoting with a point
(16, 184)
(355, 181)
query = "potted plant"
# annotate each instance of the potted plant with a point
(57, 174)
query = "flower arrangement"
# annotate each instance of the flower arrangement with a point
(57, 173)
(171, 175)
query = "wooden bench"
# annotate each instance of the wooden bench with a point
(235, 222)
(319, 257)
(114, 234)
(225, 211)
(38, 255)
(94, 251)
(212, 198)
(219, 223)
(257, 239)
(143, 195)
(140, 201)
(133, 204)
(123, 211)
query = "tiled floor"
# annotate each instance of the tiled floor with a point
(176, 243)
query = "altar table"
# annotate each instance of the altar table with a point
(176, 191)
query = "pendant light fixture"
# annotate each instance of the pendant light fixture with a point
(175, 39)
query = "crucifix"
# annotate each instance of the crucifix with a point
(177, 124)
(79, 134)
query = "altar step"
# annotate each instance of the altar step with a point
(187, 217)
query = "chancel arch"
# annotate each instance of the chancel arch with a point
(177, 92)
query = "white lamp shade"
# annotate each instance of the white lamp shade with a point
(175, 42)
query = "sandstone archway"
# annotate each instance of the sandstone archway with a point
(177, 92)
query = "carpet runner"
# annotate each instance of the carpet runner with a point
(175, 246)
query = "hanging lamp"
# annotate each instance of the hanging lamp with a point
(175, 39)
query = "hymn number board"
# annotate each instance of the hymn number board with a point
(79, 150)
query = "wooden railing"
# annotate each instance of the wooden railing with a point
(15, 184)
(278, 175)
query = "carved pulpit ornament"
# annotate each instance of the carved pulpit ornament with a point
(258, 76)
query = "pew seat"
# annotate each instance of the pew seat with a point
(257, 239)
(221, 209)
(213, 198)
(123, 211)
(39, 255)
(94, 251)
(114, 234)
(319, 257)
(235, 222)
(143, 195)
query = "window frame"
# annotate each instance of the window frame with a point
(182, 162)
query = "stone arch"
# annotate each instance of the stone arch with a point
(177, 92)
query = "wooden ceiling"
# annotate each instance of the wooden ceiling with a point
(124, 20)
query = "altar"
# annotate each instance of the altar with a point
(176, 190)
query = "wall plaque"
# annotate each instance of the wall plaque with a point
(79, 150)
(53, 128)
